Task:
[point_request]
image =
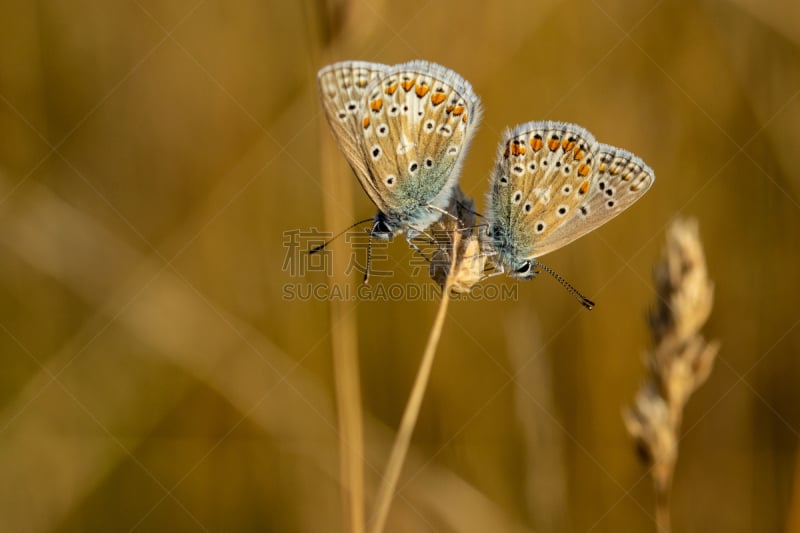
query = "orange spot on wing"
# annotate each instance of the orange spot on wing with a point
(536, 144)
(583, 170)
(458, 110)
(578, 154)
(464, 118)
(438, 98)
(584, 187)
(366, 122)
(568, 145)
(603, 167)
(391, 89)
(553, 144)
(376, 105)
(407, 85)
(614, 170)
(422, 90)
(517, 149)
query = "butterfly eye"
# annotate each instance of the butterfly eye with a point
(382, 230)
(524, 269)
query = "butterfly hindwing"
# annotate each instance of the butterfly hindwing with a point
(542, 171)
(418, 119)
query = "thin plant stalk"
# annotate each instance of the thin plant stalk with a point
(663, 524)
(344, 337)
(344, 348)
(397, 456)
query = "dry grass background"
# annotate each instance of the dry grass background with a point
(153, 379)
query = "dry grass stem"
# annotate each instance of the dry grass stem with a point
(344, 343)
(400, 448)
(680, 360)
(344, 348)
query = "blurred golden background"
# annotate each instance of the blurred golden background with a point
(154, 377)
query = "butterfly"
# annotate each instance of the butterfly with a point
(468, 267)
(551, 184)
(404, 130)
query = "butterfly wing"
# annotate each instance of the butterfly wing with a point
(418, 120)
(553, 183)
(342, 88)
(541, 172)
(618, 179)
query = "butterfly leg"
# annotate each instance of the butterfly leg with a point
(499, 269)
(445, 212)
(416, 248)
(468, 209)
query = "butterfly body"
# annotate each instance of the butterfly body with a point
(552, 183)
(404, 130)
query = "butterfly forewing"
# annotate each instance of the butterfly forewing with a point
(418, 119)
(342, 88)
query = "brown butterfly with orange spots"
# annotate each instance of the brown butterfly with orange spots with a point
(404, 130)
(553, 183)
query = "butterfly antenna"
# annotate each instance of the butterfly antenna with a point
(322, 246)
(584, 301)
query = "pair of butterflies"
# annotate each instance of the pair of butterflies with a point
(405, 130)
